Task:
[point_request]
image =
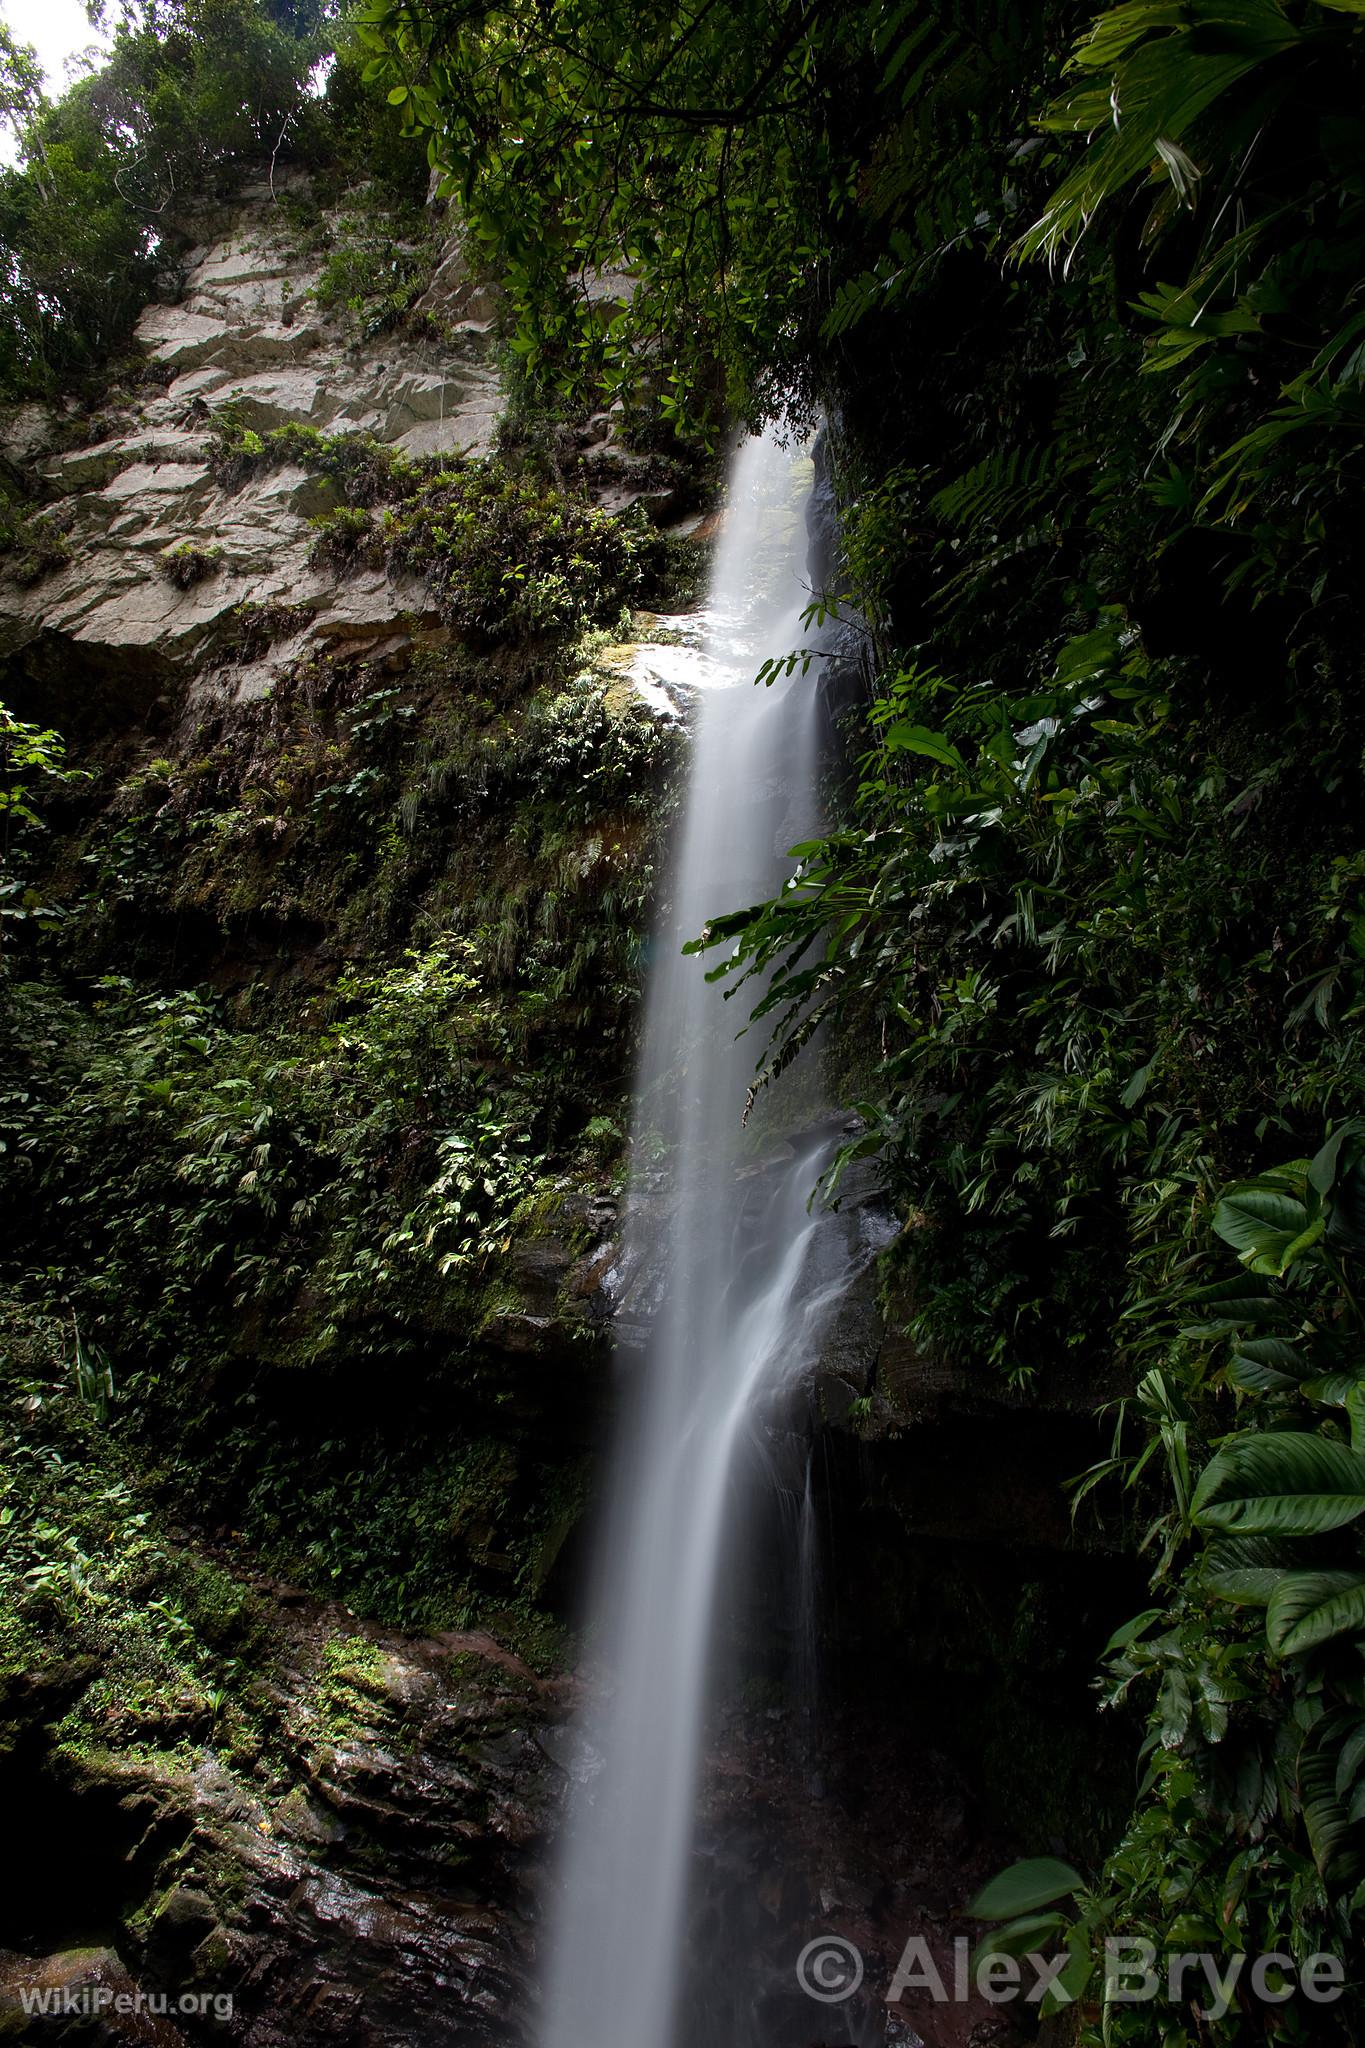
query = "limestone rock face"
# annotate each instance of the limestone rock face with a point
(245, 330)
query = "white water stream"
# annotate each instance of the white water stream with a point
(741, 1305)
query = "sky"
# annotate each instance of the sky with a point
(57, 30)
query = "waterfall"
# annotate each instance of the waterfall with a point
(722, 1215)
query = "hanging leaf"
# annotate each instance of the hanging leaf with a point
(1329, 1823)
(1024, 1887)
(904, 738)
(1231, 1302)
(1280, 1484)
(1308, 1608)
(1266, 1226)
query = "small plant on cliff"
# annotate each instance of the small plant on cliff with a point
(344, 539)
(188, 563)
(236, 452)
(378, 267)
(257, 626)
(366, 470)
(35, 546)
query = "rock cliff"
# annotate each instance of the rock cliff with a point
(127, 489)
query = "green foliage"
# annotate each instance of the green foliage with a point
(192, 91)
(32, 758)
(1089, 921)
(509, 554)
(332, 1197)
(111, 179)
(545, 129)
(32, 768)
(1250, 1819)
(1093, 888)
(166, 1646)
(187, 563)
(256, 1201)
(235, 1168)
(344, 537)
(368, 471)
(379, 265)
(1257, 330)
(508, 549)
(34, 546)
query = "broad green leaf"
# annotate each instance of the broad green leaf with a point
(1129, 1630)
(1244, 1585)
(1280, 1484)
(1017, 1937)
(904, 738)
(1274, 1353)
(1249, 1373)
(1322, 1170)
(1264, 1225)
(1329, 1824)
(1239, 1300)
(1072, 1983)
(1308, 1608)
(1038, 1881)
(1349, 1761)
(1137, 1087)
(1305, 1241)
(1330, 1390)
(1346, 1223)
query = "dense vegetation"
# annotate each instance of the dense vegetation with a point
(251, 1178)
(1083, 294)
(303, 1007)
(1080, 294)
(113, 176)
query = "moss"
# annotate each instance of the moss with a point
(350, 1687)
(136, 1643)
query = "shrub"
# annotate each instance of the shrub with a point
(509, 553)
(258, 625)
(187, 563)
(373, 274)
(36, 546)
(344, 538)
(366, 470)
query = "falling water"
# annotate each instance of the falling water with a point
(744, 1295)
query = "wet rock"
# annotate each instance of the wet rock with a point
(183, 1920)
(83, 1992)
(374, 1885)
